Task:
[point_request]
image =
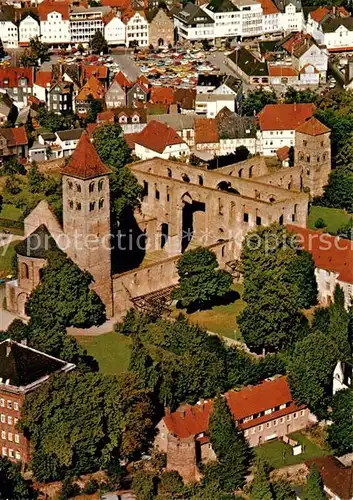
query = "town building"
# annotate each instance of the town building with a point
(59, 97)
(305, 51)
(8, 27)
(184, 125)
(278, 123)
(92, 89)
(67, 141)
(342, 376)
(131, 120)
(235, 130)
(263, 412)
(206, 137)
(251, 17)
(18, 83)
(271, 17)
(115, 96)
(54, 22)
(337, 478)
(227, 18)
(316, 16)
(42, 84)
(85, 22)
(192, 23)
(22, 371)
(157, 140)
(28, 28)
(136, 29)
(336, 33)
(250, 67)
(13, 143)
(137, 93)
(292, 16)
(114, 29)
(8, 111)
(333, 263)
(212, 104)
(160, 28)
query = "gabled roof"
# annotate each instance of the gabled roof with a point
(157, 136)
(162, 95)
(233, 126)
(298, 43)
(121, 79)
(206, 131)
(21, 365)
(70, 135)
(282, 153)
(106, 116)
(320, 13)
(15, 136)
(329, 252)
(250, 400)
(248, 62)
(43, 78)
(219, 6)
(268, 7)
(12, 75)
(284, 116)
(313, 127)
(185, 98)
(93, 87)
(47, 7)
(335, 476)
(331, 24)
(85, 162)
(192, 14)
(37, 244)
(276, 70)
(282, 4)
(100, 72)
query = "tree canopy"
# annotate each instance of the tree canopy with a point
(256, 100)
(261, 487)
(81, 423)
(12, 484)
(98, 43)
(313, 489)
(36, 54)
(200, 282)
(340, 433)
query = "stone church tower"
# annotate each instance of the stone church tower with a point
(313, 155)
(86, 216)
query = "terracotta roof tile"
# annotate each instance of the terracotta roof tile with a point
(206, 131)
(306, 66)
(281, 71)
(157, 136)
(282, 153)
(243, 403)
(284, 116)
(130, 140)
(335, 476)
(97, 71)
(268, 7)
(15, 136)
(91, 127)
(106, 116)
(121, 79)
(85, 162)
(43, 78)
(313, 127)
(93, 87)
(162, 95)
(329, 252)
(119, 4)
(319, 13)
(10, 76)
(47, 7)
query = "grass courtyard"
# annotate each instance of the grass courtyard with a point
(6, 255)
(221, 319)
(279, 454)
(111, 350)
(333, 217)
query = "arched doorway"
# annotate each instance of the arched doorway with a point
(160, 42)
(190, 208)
(21, 301)
(164, 234)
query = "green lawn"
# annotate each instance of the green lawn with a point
(111, 350)
(6, 254)
(279, 454)
(10, 212)
(333, 217)
(220, 319)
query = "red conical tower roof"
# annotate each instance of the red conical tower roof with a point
(85, 162)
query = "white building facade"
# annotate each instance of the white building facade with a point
(115, 31)
(84, 23)
(28, 28)
(137, 30)
(251, 17)
(9, 34)
(55, 27)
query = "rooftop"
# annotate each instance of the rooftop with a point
(70, 135)
(85, 162)
(284, 116)
(335, 476)
(206, 131)
(313, 127)
(157, 136)
(37, 244)
(15, 136)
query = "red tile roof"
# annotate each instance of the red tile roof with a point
(43, 78)
(106, 116)
(206, 131)
(85, 162)
(130, 140)
(268, 7)
(60, 7)
(93, 87)
(157, 136)
(313, 127)
(284, 116)
(97, 71)
(162, 95)
(119, 4)
(306, 66)
(15, 136)
(282, 153)
(143, 81)
(12, 75)
(281, 71)
(335, 476)
(91, 127)
(121, 79)
(319, 13)
(244, 403)
(329, 252)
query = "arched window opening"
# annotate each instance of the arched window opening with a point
(185, 178)
(100, 185)
(169, 170)
(240, 173)
(78, 188)
(71, 204)
(92, 206)
(200, 180)
(101, 203)
(69, 183)
(24, 271)
(78, 205)
(91, 187)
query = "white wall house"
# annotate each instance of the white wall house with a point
(292, 18)
(311, 55)
(251, 17)
(174, 150)
(55, 24)
(28, 28)
(137, 30)
(336, 33)
(193, 23)
(115, 31)
(211, 104)
(226, 16)
(271, 17)
(9, 34)
(85, 22)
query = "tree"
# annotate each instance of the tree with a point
(50, 120)
(12, 166)
(37, 53)
(340, 433)
(12, 484)
(35, 179)
(200, 282)
(283, 491)
(276, 277)
(143, 485)
(171, 485)
(255, 101)
(230, 446)
(310, 371)
(125, 191)
(81, 423)
(98, 44)
(339, 191)
(299, 96)
(320, 223)
(63, 296)
(95, 107)
(346, 230)
(261, 487)
(345, 154)
(313, 489)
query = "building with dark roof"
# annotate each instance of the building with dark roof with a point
(336, 477)
(22, 371)
(18, 82)
(336, 33)
(193, 23)
(248, 66)
(13, 142)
